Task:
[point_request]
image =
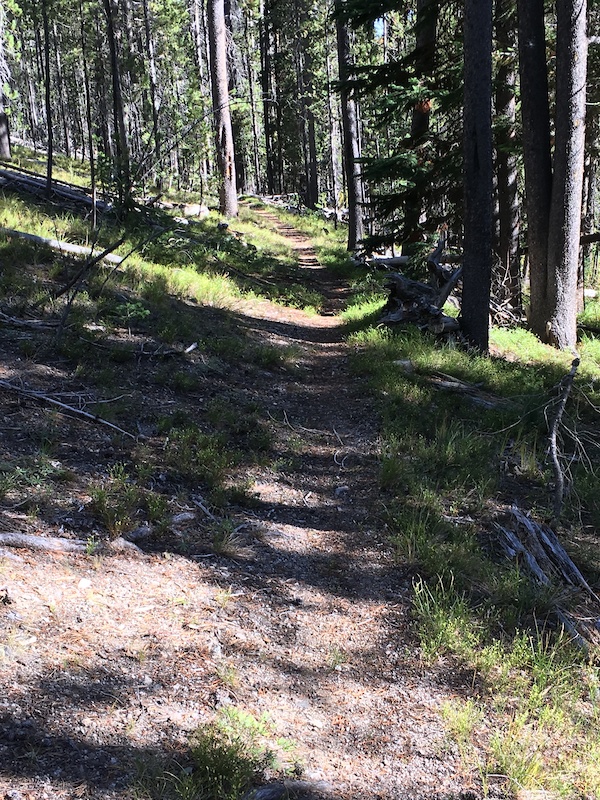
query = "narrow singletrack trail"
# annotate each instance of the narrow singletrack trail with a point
(305, 624)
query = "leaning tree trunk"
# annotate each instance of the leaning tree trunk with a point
(567, 184)
(477, 141)
(351, 144)
(220, 93)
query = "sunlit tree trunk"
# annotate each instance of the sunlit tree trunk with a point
(48, 98)
(554, 190)
(121, 140)
(217, 33)
(567, 183)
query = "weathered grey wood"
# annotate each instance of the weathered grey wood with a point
(30, 541)
(63, 247)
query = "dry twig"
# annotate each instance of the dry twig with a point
(71, 409)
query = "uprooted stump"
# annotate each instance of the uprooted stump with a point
(539, 554)
(419, 303)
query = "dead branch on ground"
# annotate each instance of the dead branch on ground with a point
(44, 398)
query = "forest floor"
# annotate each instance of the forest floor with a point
(113, 657)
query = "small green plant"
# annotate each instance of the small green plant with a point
(336, 657)
(91, 545)
(227, 758)
(198, 457)
(515, 754)
(227, 542)
(132, 311)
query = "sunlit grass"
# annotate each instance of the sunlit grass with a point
(449, 459)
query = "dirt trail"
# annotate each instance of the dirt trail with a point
(106, 658)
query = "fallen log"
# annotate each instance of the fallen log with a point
(35, 184)
(54, 544)
(535, 548)
(63, 247)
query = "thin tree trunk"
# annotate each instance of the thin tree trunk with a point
(60, 82)
(88, 116)
(152, 75)
(255, 134)
(4, 77)
(333, 138)
(48, 98)
(351, 143)
(506, 159)
(266, 83)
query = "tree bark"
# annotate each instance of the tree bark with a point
(567, 185)
(477, 142)
(88, 116)
(267, 99)
(535, 113)
(122, 145)
(154, 100)
(222, 116)
(48, 98)
(506, 158)
(354, 184)
(4, 76)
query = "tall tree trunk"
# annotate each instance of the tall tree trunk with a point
(255, 134)
(88, 115)
(506, 158)
(477, 262)
(60, 84)
(333, 137)
(4, 77)
(267, 93)
(535, 111)
(567, 184)
(122, 145)
(354, 184)
(48, 98)
(202, 58)
(153, 78)
(554, 191)
(224, 136)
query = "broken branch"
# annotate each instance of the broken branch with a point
(71, 409)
